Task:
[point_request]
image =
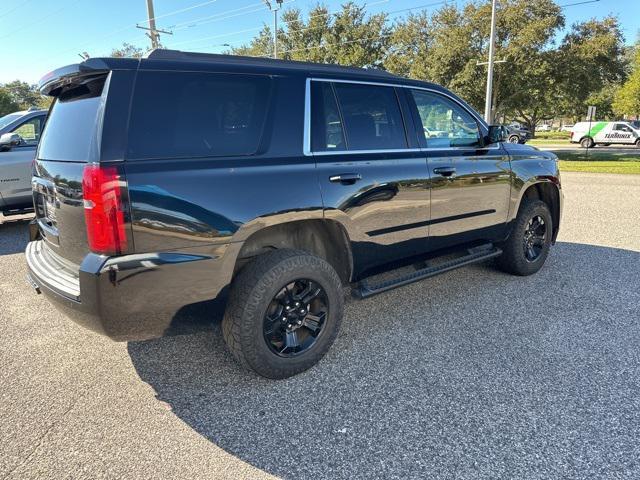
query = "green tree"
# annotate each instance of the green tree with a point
(127, 50)
(7, 104)
(592, 57)
(446, 47)
(627, 98)
(348, 37)
(23, 94)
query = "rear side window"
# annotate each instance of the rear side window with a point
(326, 125)
(71, 130)
(185, 114)
(371, 116)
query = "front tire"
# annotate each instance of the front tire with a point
(527, 248)
(638, 143)
(514, 139)
(283, 314)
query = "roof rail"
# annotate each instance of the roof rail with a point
(164, 54)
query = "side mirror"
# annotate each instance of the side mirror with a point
(497, 134)
(8, 140)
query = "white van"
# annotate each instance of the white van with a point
(590, 134)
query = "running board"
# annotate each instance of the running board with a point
(474, 255)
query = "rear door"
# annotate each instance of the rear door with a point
(372, 175)
(69, 142)
(470, 182)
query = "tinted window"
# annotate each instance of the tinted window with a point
(371, 116)
(178, 114)
(72, 125)
(326, 122)
(445, 123)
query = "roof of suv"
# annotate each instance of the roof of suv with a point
(179, 60)
(265, 62)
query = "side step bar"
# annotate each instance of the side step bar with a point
(474, 255)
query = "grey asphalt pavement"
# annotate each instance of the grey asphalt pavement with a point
(474, 374)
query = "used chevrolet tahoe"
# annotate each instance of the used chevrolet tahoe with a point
(182, 177)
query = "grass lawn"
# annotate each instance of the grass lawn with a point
(599, 162)
(549, 141)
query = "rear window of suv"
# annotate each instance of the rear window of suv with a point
(71, 130)
(192, 114)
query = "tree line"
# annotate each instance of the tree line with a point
(543, 75)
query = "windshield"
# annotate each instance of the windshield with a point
(7, 119)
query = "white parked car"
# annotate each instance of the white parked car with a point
(566, 128)
(543, 128)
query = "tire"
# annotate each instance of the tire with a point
(258, 294)
(514, 139)
(515, 257)
(587, 142)
(638, 143)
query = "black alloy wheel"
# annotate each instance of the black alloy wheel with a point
(295, 318)
(534, 238)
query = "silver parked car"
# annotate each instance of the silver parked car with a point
(19, 137)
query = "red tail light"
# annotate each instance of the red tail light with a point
(103, 210)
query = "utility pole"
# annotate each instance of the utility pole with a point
(488, 114)
(274, 5)
(153, 33)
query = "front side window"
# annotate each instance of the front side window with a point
(189, 114)
(371, 116)
(444, 123)
(30, 130)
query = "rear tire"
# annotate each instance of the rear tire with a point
(265, 325)
(514, 139)
(638, 143)
(587, 142)
(527, 248)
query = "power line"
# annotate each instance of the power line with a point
(288, 31)
(11, 10)
(40, 20)
(578, 3)
(218, 16)
(181, 10)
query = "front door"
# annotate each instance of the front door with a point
(373, 177)
(470, 182)
(15, 164)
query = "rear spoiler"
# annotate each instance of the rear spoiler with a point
(52, 82)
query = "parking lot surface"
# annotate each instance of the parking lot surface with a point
(473, 374)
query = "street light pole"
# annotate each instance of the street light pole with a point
(488, 101)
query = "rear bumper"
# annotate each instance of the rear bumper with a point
(132, 297)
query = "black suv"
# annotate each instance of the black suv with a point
(162, 181)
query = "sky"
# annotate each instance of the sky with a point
(37, 36)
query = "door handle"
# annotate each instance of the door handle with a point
(345, 178)
(445, 171)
